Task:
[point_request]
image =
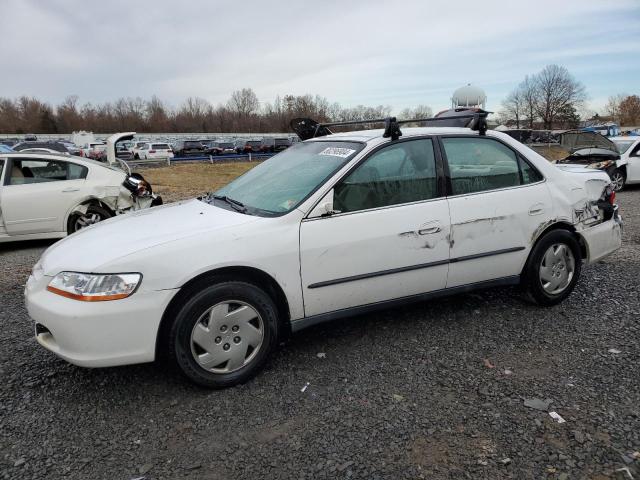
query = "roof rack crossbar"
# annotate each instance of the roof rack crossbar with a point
(414, 120)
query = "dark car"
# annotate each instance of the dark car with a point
(248, 146)
(10, 142)
(212, 147)
(189, 147)
(57, 146)
(272, 145)
(226, 147)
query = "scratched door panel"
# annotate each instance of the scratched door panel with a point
(492, 232)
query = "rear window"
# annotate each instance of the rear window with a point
(192, 144)
(282, 141)
(160, 146)
(225, 145)
(254, 143)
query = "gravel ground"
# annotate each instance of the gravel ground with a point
(435, 390)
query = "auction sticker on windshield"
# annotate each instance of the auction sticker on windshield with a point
(337, 152)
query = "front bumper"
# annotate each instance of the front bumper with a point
(97, 334)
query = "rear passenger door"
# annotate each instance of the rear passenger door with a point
(497, 201)
(387, 237)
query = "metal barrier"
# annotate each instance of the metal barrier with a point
(245, 157)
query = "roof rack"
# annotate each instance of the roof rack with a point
(307, 128)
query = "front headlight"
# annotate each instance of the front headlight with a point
(89, 287)
(601, 165)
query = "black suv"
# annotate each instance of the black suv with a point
(189, 147)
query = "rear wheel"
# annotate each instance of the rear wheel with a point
(553, 268)
(618, 179)
(93, 215)
(223, 334)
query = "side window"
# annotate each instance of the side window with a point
(479, 164)
(400, 173)
(1, 169)
(529, 174)
(40, 171)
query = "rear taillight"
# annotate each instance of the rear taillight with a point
(152, 151)
(612, 198)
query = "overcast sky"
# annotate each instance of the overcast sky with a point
(398, 53)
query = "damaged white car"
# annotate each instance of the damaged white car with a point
(337, 225)
(51, 195)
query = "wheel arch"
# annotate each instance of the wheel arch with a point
(251, 275)
(557, 225)
(86, 202)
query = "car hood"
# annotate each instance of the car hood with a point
(574, 140)
(89, 249)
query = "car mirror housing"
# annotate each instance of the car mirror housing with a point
(324, 208)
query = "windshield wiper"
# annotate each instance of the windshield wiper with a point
(235, 204)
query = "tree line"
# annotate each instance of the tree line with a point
(241, 113)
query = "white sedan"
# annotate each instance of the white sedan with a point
(44, 195)
(628, 166)
(334, 226)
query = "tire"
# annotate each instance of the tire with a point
(553, 268)
(136, 157)
(93, 215)
(618, 179)
(207, 344)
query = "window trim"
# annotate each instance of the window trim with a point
(10, 162)
(518, 155)
(440, 172)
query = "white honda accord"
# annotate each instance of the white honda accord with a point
(337, 225)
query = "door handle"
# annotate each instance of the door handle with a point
(70, 189)
(536, 209)
(430, 230)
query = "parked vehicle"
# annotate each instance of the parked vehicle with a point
(212, 148)
(226, 147)
(30, 137)
(9, 142)
(184, 148)
(619, 157)
(160, 151)
(334, 226)
(72, 148)
(135, 149)
(44, 195)
(272, 145)
(248, 146)
(98, 153)
(52, 146)
(87, 150)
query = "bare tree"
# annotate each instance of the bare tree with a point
(612, 108)
(514, 105)
(557, 92)
(244, 102)
(529, 93)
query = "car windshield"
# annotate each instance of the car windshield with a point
(623, 146)
(281, 183)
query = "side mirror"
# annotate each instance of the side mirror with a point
(325, 207)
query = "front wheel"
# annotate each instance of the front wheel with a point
(618, 179)
(93, 215)
(223, 335)
(553, 268)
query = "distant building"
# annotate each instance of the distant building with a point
(469, 96)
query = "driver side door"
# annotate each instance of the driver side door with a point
(37, 194)
(387, 236)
